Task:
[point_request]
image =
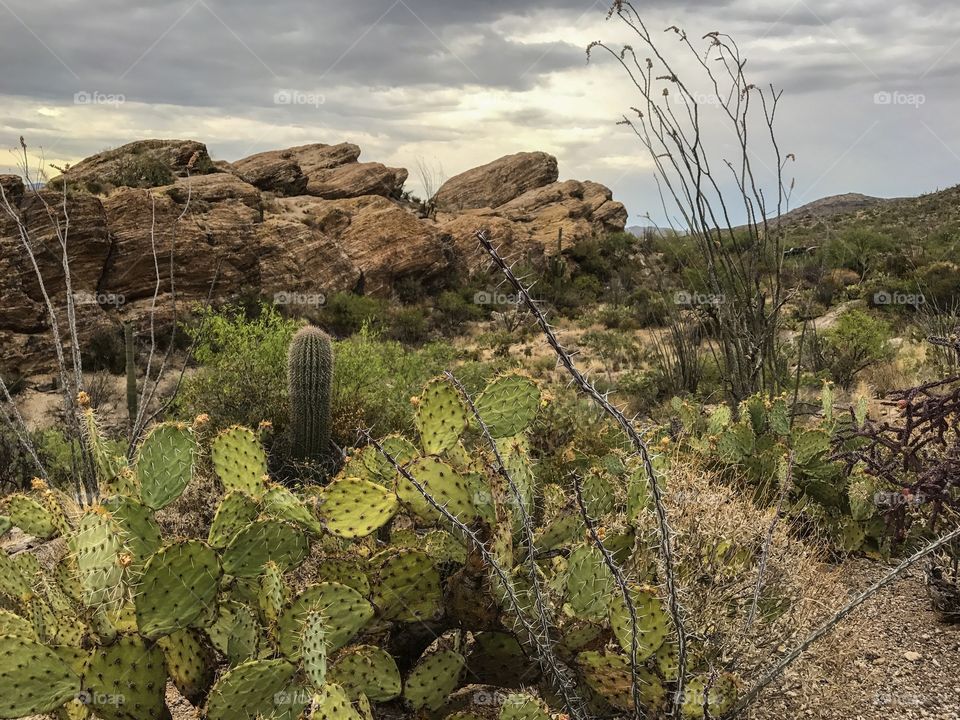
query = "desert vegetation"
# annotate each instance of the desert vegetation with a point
(603, 476)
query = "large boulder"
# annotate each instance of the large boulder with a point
(326, 171)
(378, 238)
(498, 182)
(272, 171)
(540, 221)
(144, 163)
(25, 323)
(355, 180)
(212, 249)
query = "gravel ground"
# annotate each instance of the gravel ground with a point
(908, 665)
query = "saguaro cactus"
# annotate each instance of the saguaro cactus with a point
(310, 368)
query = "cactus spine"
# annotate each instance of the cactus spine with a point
(310, 369)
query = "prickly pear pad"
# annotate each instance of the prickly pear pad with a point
(12, 582)
(380, 469)
(265, 541)
(652, 622)
(179, 585)
(345, 610)
(441, 416)
(236, 511)
(609, 676)
(352, 508)
(191, 663)
(239, 461)
(520, 706)
(33, 678)
(313, 648)
(435, 676)
(508, 404)
(589, 583)
(165, 464)
(367, 670)
(100, 551)
(127, 681)
(718, 698)
(250, 690)
(407, 586)
(13, 624)
(235, 632)
(271, 593)
(141, 532)
(284, 505)
(443, 484)
(332, 703)
(31, 516)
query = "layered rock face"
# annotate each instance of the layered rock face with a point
(311, 219)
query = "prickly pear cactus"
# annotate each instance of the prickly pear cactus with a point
(441, 416)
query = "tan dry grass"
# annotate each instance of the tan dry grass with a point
(707, 514)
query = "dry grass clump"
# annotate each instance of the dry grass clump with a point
(190, 515)
(719, 538)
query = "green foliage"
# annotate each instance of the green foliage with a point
(347, 313)
(770, 456)
(241, 378)
(855, 342)
(375, 379)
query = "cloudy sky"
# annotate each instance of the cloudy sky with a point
(871, 102)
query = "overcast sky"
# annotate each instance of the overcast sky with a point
(456, 83)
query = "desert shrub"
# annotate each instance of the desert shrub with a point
(104, 350)
(617, 350)
(859, 249)
(374, 379)
(408, 325)
(141, 172)
(242, 373)
(940, 283)
(345, 313)
(453, 309)
(833, 285)
(643, 391)
(857, 341)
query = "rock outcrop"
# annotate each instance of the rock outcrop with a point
(309, 220)
(331, 172)
(498, 182)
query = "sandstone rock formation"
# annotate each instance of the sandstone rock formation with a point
(498, 182)
(308, 219)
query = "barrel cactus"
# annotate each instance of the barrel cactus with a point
(310, 368)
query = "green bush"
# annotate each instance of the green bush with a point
(409, 325)
(453, 309)
(854, 343)
(242, 373)
(374, 379)
(345, 313)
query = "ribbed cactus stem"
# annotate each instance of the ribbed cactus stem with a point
(131, 367)
(310, 368)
